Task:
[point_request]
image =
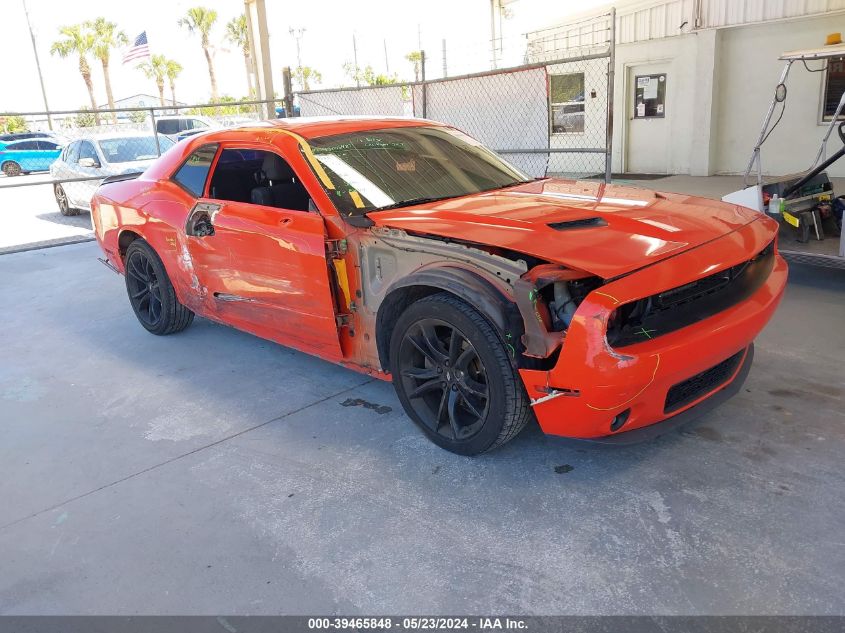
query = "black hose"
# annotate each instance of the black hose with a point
(820, 168)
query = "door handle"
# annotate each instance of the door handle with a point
(285, 221)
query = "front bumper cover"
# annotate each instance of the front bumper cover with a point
(591, 382)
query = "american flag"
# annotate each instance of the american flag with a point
(138, 50)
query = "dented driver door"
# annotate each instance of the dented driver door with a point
(264, 270)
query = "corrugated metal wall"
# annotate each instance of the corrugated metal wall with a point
(663, 19)
(716, 13)
(637, 22)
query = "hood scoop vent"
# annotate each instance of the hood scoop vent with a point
(582, 223)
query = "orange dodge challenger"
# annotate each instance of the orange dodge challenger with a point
(404, 249)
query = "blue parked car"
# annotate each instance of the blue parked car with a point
(33, 154)
(281, 114)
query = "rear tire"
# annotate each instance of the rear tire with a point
(11, 168)
(151, 294)
(63, 201)
(454, 378)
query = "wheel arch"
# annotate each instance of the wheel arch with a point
(124, 239)
(474, 289)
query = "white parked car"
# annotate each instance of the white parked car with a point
(100, 156)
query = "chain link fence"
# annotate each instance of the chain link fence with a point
(49, 173)
(551, 115)
(72, 151)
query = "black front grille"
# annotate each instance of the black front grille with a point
(693, 388)
(675, 308)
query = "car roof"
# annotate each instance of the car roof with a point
(315, 127)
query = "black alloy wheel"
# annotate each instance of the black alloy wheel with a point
(444, 379)
(151, 293)
(144, 290)
(454, 376)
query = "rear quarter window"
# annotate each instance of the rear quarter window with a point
(193, 173)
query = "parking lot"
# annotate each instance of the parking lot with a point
(214, 472)
(29, 216)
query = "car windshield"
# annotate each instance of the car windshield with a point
(379, 169)
(128, 149)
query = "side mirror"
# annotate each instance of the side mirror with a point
(88, 162)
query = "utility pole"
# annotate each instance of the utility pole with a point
(38, 66)
(259, 46)
(494, 4)
(386, 63)
(445, 73)
(355, 60)
(297, 35)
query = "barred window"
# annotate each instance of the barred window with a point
(566, 93)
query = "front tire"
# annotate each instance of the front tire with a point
(11, 168)
(63, 201)
(151, 294)
(453, 376)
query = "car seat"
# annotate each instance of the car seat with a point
(282, 189)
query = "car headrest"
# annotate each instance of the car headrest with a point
(275, 168)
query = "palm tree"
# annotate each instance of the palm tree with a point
(156, 69)
(78, 40)
(201, 20)
(106, 37)
(237, 34)
(415, 57)
(172, 69)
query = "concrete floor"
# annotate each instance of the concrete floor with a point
(29, 214)
(213, 472)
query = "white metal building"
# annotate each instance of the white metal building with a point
(695, 77)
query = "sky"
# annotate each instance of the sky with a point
(399, 26)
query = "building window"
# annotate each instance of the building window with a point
(567, 100)
(834, 86)
(650, 96)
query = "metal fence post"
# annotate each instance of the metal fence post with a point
(288, 91)
(445, 73)
(155, 133)
(422, 75)
(611, 72)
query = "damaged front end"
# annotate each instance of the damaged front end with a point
(531, 302)
(548, 296)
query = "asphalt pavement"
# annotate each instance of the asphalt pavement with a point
(213, 472)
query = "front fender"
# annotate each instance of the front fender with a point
(479, 292)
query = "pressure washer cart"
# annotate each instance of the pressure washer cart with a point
(805, 204)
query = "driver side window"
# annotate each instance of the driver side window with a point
(258, 177)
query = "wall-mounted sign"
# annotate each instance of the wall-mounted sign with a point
(650, 96)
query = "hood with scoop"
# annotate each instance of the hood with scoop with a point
(606, 230)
